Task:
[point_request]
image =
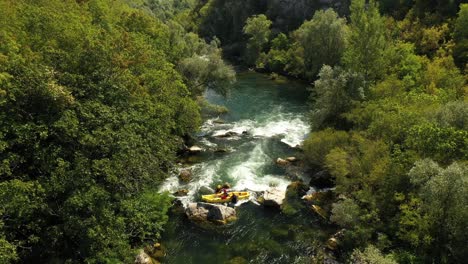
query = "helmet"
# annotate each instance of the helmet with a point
(219, 186)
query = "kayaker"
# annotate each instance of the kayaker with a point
(234, 199)
(225, 193)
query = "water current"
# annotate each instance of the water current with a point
(269, 119)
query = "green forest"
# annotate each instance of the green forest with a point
(98, 97)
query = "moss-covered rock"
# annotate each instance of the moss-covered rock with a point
(292, 203)
(185, 175)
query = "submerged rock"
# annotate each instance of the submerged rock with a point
(273, 197)
(227, 134)
(185, 175)
(221, 150)
(205, 213)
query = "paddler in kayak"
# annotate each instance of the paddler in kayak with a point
(224, 194)
(220, 187)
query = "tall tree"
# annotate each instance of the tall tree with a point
(258, 29)
(364, 54)
(323, 40)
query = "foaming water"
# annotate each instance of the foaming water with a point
(266, 120)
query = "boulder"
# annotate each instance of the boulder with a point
(205, 213)
(205, 190)
(332, 243)
(273, 197)
(185, 175)
(282, 162)
(143, 258)
(194, 149)
(293, 204)
(181, 192)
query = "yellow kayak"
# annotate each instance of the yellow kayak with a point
(216, 198)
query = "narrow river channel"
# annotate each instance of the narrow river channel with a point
(270, 119)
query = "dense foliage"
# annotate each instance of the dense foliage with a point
(95, 97)
(390, 127)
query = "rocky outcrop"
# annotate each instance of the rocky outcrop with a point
(273, 197)
(185, 175)
(205, 213)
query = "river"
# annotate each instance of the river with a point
(273, 117)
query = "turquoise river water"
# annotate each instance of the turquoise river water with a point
(274, 117)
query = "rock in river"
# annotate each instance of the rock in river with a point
(227, 134)
(282, 162)
(205, 213)
(194, 149)
(185, 175)
(273, 197)
(181, 192)
(205, 190)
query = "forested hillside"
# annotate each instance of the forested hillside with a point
(97, 97)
